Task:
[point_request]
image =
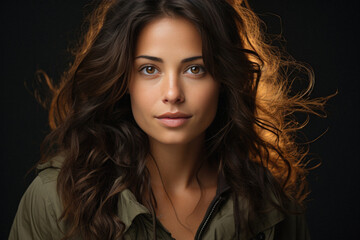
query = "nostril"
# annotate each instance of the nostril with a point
(178, 99)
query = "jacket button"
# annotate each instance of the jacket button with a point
(260, 236)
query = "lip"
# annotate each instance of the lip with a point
(174, 115)
(176, 119)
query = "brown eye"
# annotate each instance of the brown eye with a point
(196, 70)
(149, 70)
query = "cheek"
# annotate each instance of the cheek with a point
(207, 101)
(141, 102)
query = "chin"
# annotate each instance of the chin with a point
(172, 139)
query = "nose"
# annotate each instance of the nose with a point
(172, 89)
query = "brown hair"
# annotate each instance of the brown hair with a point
(252, 136)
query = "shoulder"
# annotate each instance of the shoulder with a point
(268, 223)
(294, 225)
(274, 224)
(40, 207)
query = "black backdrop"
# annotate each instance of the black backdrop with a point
(36, 35)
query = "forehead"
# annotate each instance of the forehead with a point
(169, 35)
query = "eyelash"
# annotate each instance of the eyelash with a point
(143, 70)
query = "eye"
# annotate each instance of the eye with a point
(196, 70)
(149, 70)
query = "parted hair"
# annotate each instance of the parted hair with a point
(252, 138)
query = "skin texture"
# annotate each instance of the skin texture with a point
(175, 82)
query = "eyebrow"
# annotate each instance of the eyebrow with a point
(156, 59)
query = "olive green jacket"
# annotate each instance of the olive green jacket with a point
(40, 208)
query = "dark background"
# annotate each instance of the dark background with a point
(323, 33)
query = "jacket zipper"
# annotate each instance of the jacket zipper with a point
(204, 223)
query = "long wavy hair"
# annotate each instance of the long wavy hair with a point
(252, 137)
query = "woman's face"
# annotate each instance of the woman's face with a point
(173, 98)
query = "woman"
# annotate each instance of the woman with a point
(174, 121)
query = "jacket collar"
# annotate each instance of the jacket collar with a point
(267, 217)
(129, 208)
(264, 219)
(54, 162)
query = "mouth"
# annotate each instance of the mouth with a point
(174, 115)
(176, 119)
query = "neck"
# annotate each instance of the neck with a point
(176, 166)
